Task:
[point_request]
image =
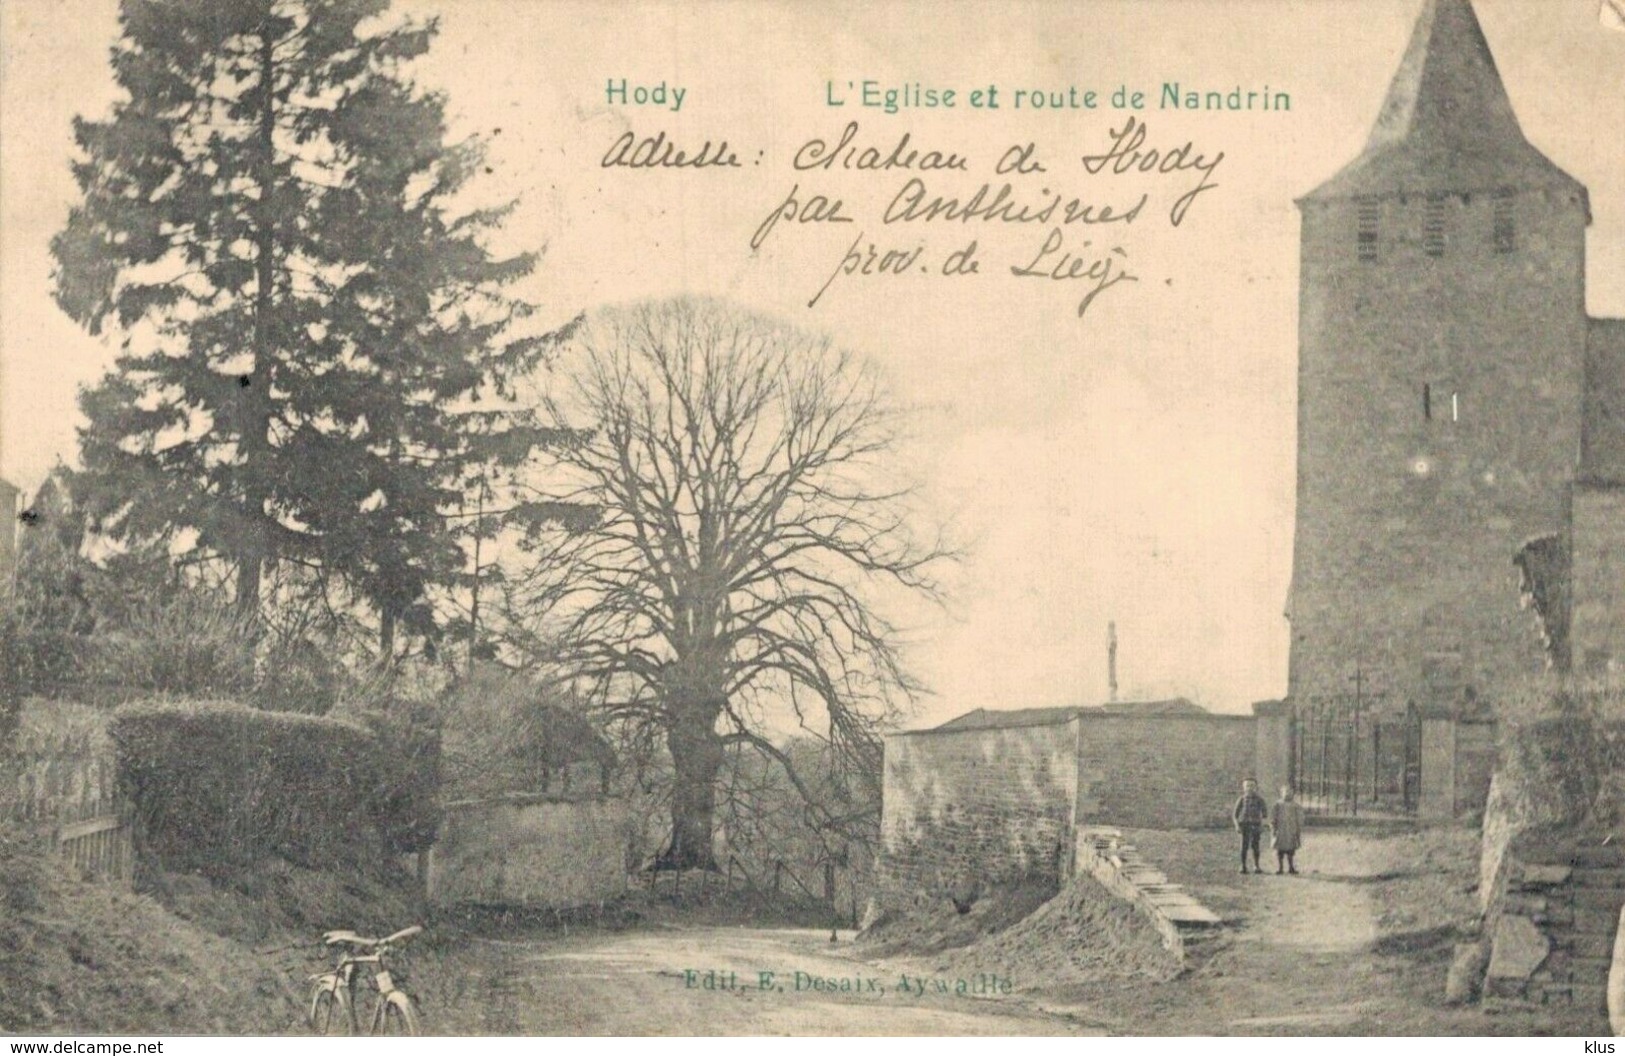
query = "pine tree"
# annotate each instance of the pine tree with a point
(309, 325)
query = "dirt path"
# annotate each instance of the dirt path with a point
(706, 980)
(1358, 944)
(1326, 908)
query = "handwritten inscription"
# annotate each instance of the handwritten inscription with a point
(814, 209)
(658, 152)
(1054, 261)
(1059, 214)
(818, 154)
(1129, 154)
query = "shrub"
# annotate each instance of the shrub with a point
(297, 675)
(34, 659)
(408, 776)
(398, 707)
(224, 783)
(29, 658)
(187, 644)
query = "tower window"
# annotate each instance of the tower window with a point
(1455, 406)
(1433, 226)
(1504, 233)
(1367, 218)
(1427, 401)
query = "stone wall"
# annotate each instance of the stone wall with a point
(1272, 762)
(964, 810)
(528, 852)
(1475, 765)
(1597, 622)
(1163, 771)
(1552, 867)
(1551, 936)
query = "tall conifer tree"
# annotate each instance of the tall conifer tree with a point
(309, 322)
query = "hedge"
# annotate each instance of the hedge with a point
(224, 783)
(409, 745)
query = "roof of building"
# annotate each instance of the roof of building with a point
(1602, 429)
(987, 719)
(1447, 123)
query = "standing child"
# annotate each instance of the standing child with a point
(1250, 814)
(1286, 822)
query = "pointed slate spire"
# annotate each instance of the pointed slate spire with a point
(1447, 123)
(1447, 89)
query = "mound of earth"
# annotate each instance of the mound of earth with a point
(932, 925)
(1082, 934)
(1033, 935)
(88, 958)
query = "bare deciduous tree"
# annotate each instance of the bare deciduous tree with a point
(745, 542)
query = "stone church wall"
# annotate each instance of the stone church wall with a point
(1412, 502)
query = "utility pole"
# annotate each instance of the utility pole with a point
(1111, 659)
(474, 605)
(1354, 742)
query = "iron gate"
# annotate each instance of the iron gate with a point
(1354, 755)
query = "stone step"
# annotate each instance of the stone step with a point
(1580, 995)
(1577, 966)
(1542, 876)
(1614, 878)
(1588, 898)
(1606, 855)
(1592, 922)
(1581, 944)
(1200, 926)
(1193, 913)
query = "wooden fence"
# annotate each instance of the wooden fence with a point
(98, 849)
(60, 781)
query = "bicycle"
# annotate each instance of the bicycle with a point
(334, 992)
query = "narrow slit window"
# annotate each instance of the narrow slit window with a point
(1455, 406)
(1368, 217)
(1427, 402)
(1433, 227)
(1504, 232)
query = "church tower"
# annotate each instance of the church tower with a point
(1442, 336)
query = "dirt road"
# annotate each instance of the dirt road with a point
(707, 980)
(1358, 944)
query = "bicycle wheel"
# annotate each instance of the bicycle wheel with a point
(400, 1018)
(329, 1009)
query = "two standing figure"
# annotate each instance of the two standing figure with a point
(1285, 820)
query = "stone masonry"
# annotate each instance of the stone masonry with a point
(964, 811)
(1453, 394)
(967, 808)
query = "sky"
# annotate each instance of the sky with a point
(1133, 464)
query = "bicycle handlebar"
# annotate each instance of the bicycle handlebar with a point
(350, 938)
